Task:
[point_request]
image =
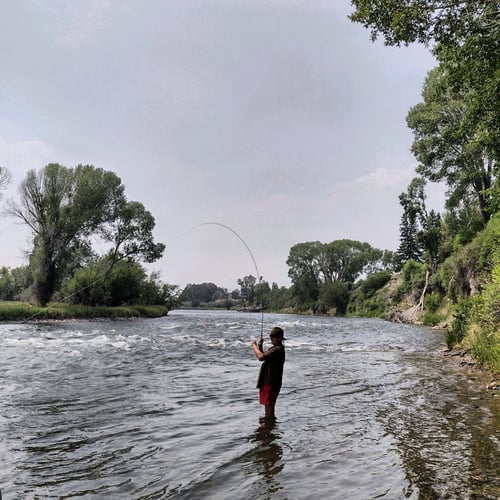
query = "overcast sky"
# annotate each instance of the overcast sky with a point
(277, 118)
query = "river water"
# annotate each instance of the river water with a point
(167, 408)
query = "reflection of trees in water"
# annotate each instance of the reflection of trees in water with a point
(445, 428)
(265, 458)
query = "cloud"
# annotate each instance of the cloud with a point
(278, 118)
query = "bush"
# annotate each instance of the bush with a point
(413, 276)
(432, 302)
(374, 282)
(462, 317)
(432, 318)
(22, 311)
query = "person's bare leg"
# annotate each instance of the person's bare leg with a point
(270, 411)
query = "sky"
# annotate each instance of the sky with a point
(279, 119)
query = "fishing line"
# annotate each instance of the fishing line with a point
(105, 275)
(254, 263)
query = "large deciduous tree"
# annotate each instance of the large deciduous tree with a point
(322, 273)
(340, 260)
(445, 23)
(457, 131)
(447, 148)
(65, 207)
(318, 269)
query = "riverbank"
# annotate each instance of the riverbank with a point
(24, 311)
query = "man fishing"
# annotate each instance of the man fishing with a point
(271, 370)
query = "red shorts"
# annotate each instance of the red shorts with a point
(268, 395)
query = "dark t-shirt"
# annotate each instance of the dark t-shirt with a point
(271, 370)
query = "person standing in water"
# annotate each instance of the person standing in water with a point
(271, 370)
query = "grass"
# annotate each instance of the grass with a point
(23, 311)
(485, 348)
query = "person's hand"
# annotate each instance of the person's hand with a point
(260, 343)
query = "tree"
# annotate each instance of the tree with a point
(314, 267)
(279, 297)
(131, 233)
(456, 127)
(413, 203)
(155, 292)
(305, 259)
(425, 21)
(202, 293)
(262, 294)
(5, 178)
(448, 148)
(126, 283)
(13, 282)
(430, 237)
(346, 260)
(420, 231)
(247, 285)
(64, 208)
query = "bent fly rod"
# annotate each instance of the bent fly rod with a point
(254, 263)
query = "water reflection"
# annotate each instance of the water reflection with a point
(265, 459)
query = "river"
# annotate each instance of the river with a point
(167, 408)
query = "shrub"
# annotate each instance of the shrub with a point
(432, 302)
(462, 316)
(413, 276)
(374, 282)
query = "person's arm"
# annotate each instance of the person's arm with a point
(258, 351)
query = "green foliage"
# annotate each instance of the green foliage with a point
(447, 148)
(198, 294)
(262, 292)
(464, 38)
(369, 298)
(156, 293)
(432, 302)
(413, 274)
(7, 288)
(374, 282)
(322, 273)
(279, 298)
(463, 272)
(423, 21)
(334, 297)
(131, 233)
(21, 311)
(13, 282)
(247, 289)
(485, 338)
(461, 321)
(432, 318)
(475, 274)
(65, 208)
(126, 283)
(305, 291)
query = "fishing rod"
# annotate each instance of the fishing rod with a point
(259, 278)
(105, 274)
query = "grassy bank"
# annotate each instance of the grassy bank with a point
(23, 311)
